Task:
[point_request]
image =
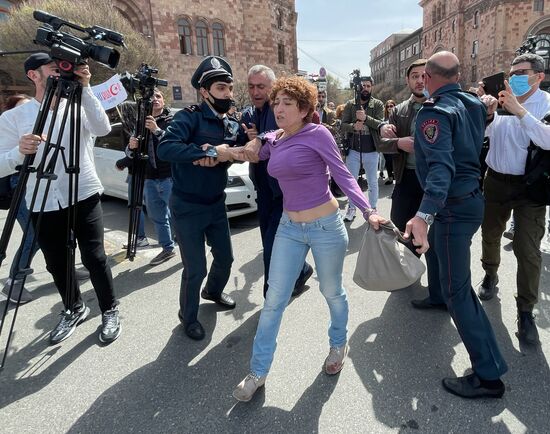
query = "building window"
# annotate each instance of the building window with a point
(281, 53)
(434, 16)
(402, 55)
(476, 19)
(408, 52)
(475, 47)
(415, 49)
(453, 25)
(425, 40)
(538, 6)
(202, 39)
(279, 19)
(473, 78)
(218, 39)
(440, 34)
(184, 33)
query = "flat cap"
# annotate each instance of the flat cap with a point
(211, 67)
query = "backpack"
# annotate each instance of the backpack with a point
(537, 172)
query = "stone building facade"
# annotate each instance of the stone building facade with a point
(389, 61)
(245, 32)
(484, 34)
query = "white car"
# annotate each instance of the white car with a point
(241, 196)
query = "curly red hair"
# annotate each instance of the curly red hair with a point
(299, 89)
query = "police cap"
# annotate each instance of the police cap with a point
(211, 67)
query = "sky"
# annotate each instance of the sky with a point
(339, 34)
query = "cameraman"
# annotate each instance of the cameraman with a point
(360, 124)
(158, 178)
(17, 141)
(504, 186)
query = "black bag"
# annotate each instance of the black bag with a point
(6, 192)
(537, 172)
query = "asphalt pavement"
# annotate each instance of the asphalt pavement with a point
(154, 379)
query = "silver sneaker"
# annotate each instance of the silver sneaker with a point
(110, 326)
(67, 324)
(18, 288)
(247, 388)
(350, 215)
(335, 359)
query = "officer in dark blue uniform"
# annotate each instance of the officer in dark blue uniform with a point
(448, 139)
(197, 143)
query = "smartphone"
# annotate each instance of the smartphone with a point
(492, 85)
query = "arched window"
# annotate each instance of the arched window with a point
(538, 6)
(279, 19)
(476, 19)
(184, 33)
(218, 39)
(201, 30)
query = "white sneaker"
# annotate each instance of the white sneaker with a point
(350, 215)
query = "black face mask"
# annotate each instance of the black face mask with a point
(365, 95)
(221, 105)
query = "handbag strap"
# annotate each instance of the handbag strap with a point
(389, 226)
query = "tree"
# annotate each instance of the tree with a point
(335, 92)
(19, 31)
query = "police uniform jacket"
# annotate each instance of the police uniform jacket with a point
(449, 134)
(181, 145)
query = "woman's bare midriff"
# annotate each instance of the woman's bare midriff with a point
(308, 215)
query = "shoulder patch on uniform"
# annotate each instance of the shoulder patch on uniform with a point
(431, 101)
(192, 108)
(430, 130)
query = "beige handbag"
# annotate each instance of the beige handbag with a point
(385, 264)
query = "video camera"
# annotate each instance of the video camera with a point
(142, 81)
(69, 50)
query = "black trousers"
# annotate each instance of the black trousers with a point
(52, 239)
(196, 223)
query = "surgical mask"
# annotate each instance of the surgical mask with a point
(520, 84)
(426, 93)
(221, 105)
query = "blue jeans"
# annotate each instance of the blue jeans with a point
(141, 223)
(328, 240)
(370, 164)
(23, 216)
(157, 199)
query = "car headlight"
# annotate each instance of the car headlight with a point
(235, 181)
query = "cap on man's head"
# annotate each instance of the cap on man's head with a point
(211, 67)
(36, 60)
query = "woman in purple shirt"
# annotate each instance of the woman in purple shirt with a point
(301, 155)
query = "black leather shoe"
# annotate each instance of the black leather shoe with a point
(470, 387)
(223, 299)
(488, 287)
(426, 304)
(195, 331)
(300, 284)
(527, 330)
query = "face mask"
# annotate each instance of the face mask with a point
(520, 84)
(221, 105)
(426, 93)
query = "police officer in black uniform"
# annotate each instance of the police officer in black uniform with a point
(197, 143)
(448, 138)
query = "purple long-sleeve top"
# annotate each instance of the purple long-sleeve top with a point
(302, 163)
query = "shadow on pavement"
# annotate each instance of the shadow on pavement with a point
(180, 393)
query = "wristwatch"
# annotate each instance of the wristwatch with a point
(212, 152)
(158, 132)
(428, 218)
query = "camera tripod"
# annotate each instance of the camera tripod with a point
(65, 87)
(139, 166)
